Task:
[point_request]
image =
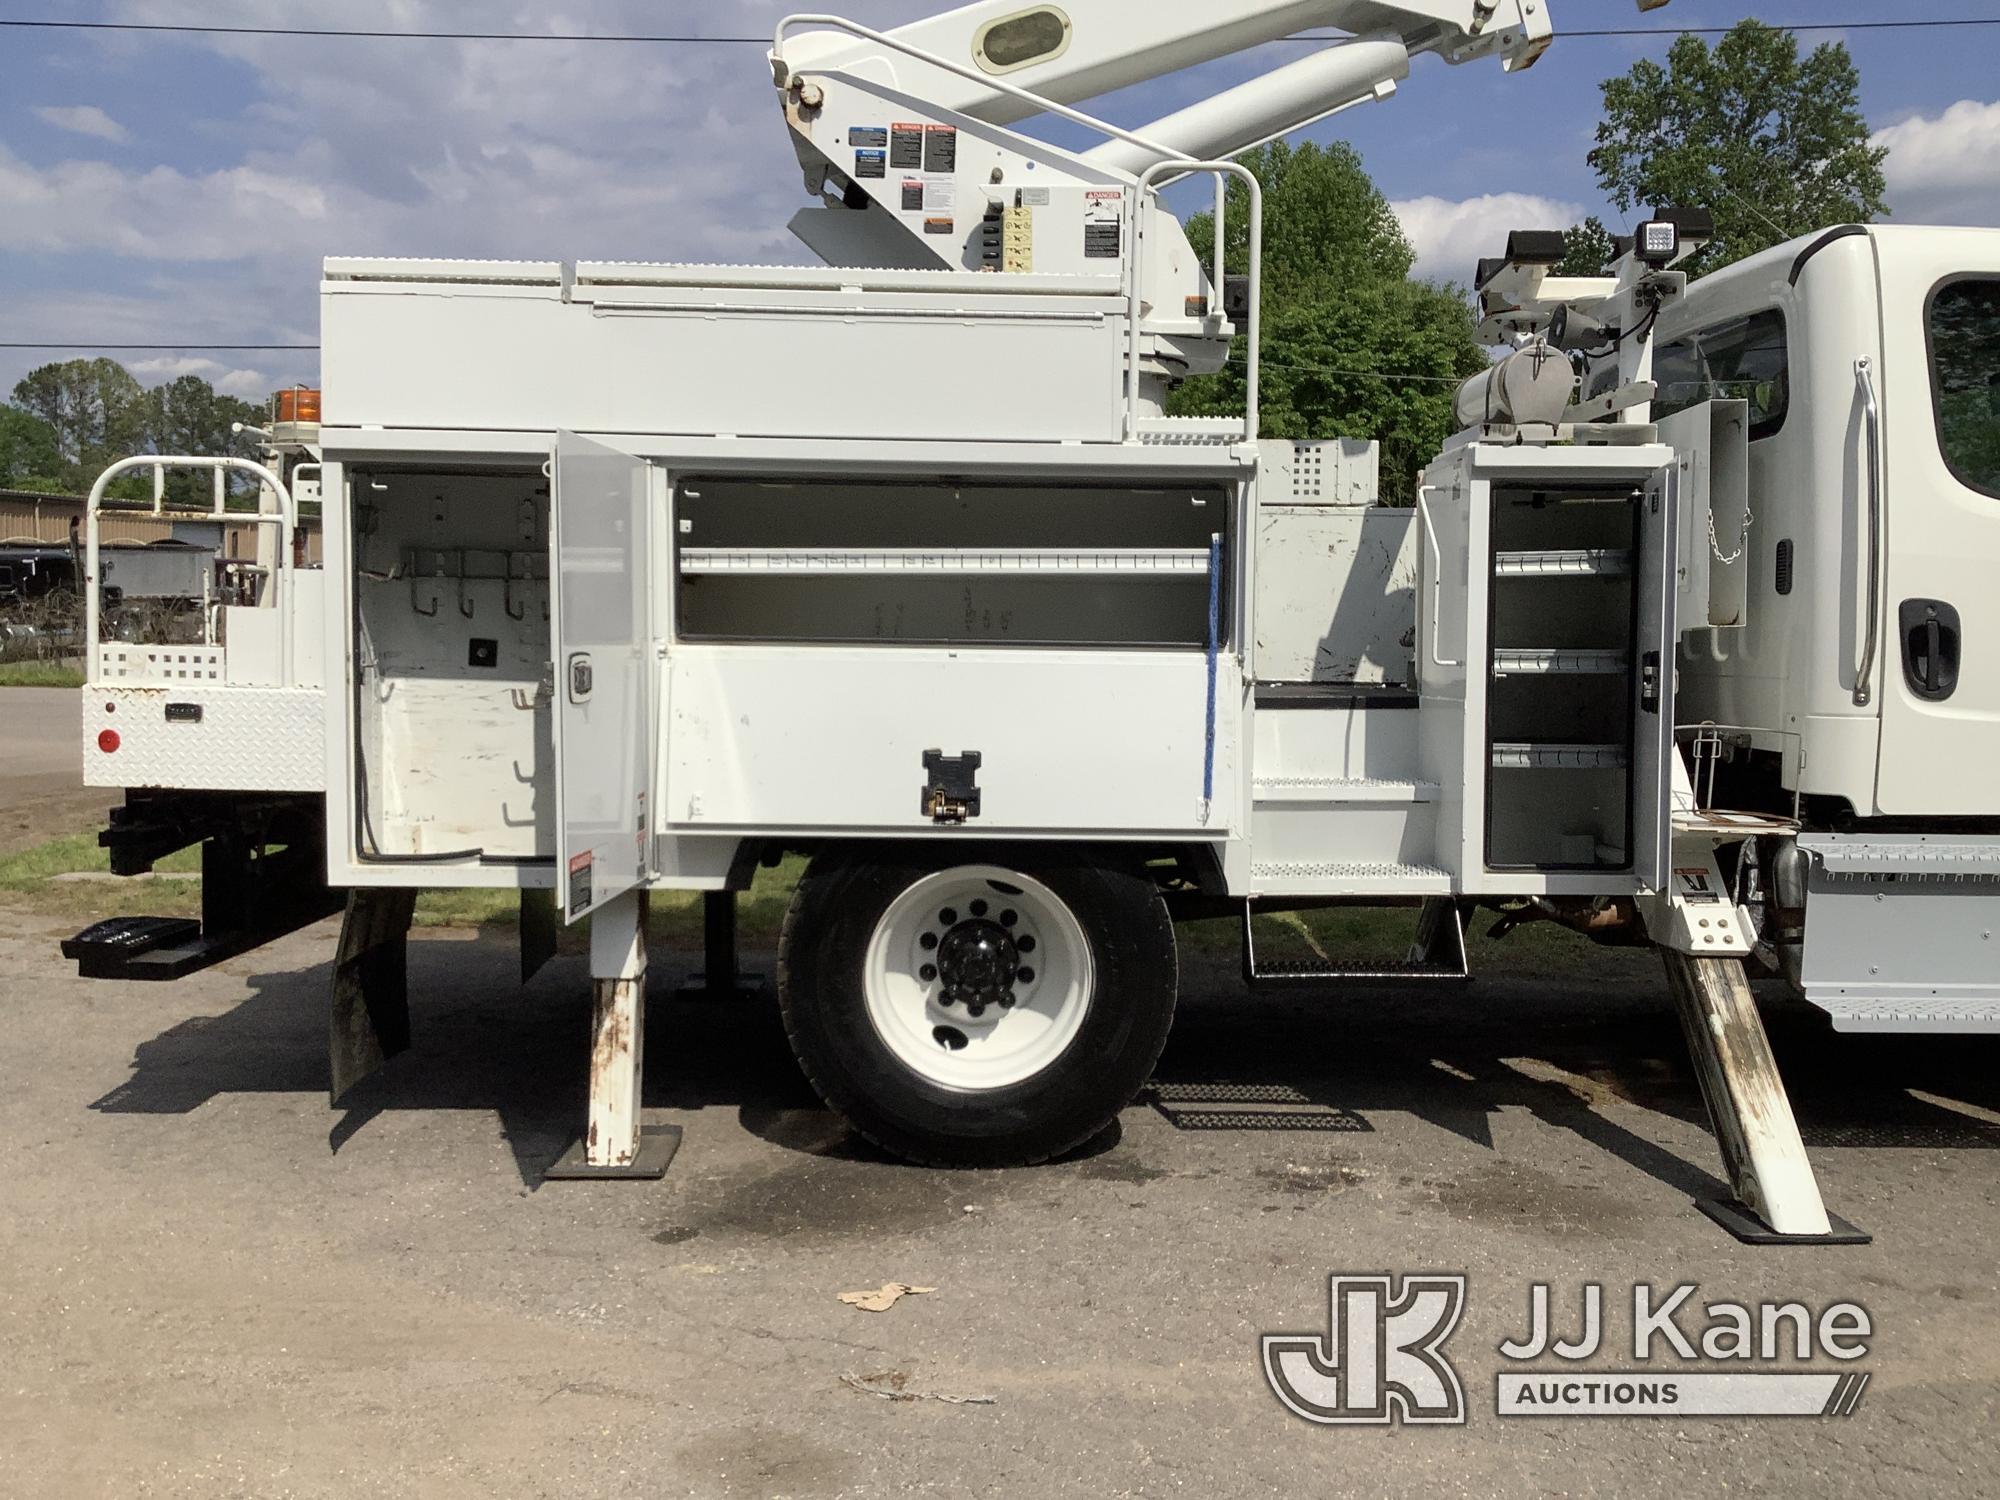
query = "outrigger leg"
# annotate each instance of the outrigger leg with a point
(615, 1144)
(1777, 1198)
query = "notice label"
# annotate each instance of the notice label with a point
(940, 195)
(579, 883)
(906, 147)
(875, 137)
(937, 226)
(871, 164)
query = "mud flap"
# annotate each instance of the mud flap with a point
(370, 1020)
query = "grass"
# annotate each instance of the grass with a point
(1335, 934)
(39, 674)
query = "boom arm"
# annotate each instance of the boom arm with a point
(1089, 47)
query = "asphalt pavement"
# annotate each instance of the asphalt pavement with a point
(211, 1284)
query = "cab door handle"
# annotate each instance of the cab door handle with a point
(1932, 647)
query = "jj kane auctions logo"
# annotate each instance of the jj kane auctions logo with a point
(1382, 1359)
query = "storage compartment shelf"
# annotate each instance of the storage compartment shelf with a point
(841, 562)
(1522, 755)
(1573, 562)
(1541, 661)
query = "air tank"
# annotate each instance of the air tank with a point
(1530, 385)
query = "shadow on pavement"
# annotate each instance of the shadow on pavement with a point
(1562, 1049)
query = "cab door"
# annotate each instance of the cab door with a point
(601, 644)
(1937, 398)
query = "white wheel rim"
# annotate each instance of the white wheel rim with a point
(935, 958)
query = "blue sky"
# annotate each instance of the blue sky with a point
(156, 189)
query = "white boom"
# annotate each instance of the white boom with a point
(1103, 46)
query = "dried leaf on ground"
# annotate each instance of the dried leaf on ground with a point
(884, 1297)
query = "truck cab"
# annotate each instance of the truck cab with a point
(1869, 357)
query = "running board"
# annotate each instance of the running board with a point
(1438, 953)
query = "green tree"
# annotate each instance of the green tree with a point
(95, 408)
(1771, 143)
(1587, 249)
(187, 415)
(28, 456)
(1351, 346)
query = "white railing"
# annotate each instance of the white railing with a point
(1135, 285)
(285, 519)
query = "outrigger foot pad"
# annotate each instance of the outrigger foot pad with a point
(1751, 1230)
(657, 1145)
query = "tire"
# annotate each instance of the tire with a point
(892, 1011)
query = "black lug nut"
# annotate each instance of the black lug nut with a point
(948, 916)
(975, 1009)
(1025, 943)
(1009, 917)
(927, 973)
(927, 941)
(1024, 975)
(1007, 1000)
(978, 908)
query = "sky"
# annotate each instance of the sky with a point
(161, 189)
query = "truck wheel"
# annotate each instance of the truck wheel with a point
(976, 1007)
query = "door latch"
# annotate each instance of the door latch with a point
(950, 792)
(581, 678)
(1649, 682)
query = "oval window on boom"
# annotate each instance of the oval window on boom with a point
(1021, 40)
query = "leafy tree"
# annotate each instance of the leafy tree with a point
(1772, 144)
(1351, 346)
(71, 420)
(1587, 249)
(28, 457)
(95, 407)
(187, 415)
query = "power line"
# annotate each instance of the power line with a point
(212, 348)
(375, 34)
(1395, 375)
(196, 29)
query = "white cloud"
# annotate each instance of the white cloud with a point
(1451, 234)
(84, 119)
(251, 385)
(1945, 168)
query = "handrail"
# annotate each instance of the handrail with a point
(1872, 427)
(1437, 580)
(1135, 274)
(286, 520)
(781, 74)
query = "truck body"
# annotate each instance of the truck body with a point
(638, 575)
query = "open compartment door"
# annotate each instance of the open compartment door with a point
(600, 640)
(1655, 640)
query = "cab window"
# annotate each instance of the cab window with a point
(1965, 379)
(1744, 358)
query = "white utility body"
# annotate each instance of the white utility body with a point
(637, 575)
